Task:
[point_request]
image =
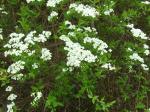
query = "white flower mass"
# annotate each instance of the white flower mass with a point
(16, 67)
(37, 96)
(97, 44)
(84, 10)
(76, 53)
(9, 88)
(52, 15)
(53, 3)
(46, 54)
(12, 97)
(137, 32)
(19, 43)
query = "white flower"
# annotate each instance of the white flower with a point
(9, 88)
(136, 57)
(35, 65)
(47, 34)
(145, 67)
(52, 15)
(53, 3)
(137, 32)
(85, 10)
(16, 67)
(37, 96)
(76, 53)
(10, 107)
(146, 52)
(146, 47)
(46, 54)
(108, 66)
(1, 37)
(28, 1)
(146, 2)
(12, 97)
(107, 12)
(17, 76)
(97, 44)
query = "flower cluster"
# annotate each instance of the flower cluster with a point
(46, 55)
(1, 36)
(53, 3)
(3, 11)
(37, 96)
(108, 66)
(16, 67)
(76, 53)
(108, 12)
(137, 32)
(52, 15)
(9, 88)
(136, 57)
(84, 10)
(146, 49)
(17, 76)
(97, 44)
(19, 44)
(10, 106)
(146, 2)
(28, 1)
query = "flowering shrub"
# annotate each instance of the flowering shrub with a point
(74, 56)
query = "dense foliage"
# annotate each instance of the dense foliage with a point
(74, 56)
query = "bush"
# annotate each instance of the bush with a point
(74, 55)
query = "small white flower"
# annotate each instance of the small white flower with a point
(137, 32)
(107, 12)
(10, 107)
(84, 10)
(9, 88)
(53, 3)
(35, 65)
(17, 76)
(108, 66)
(1, 37)
(76, 53)
(136, 57)
(37, 96)
(52, 15)
(146, 2)
(46, 54)
(12, 97)
(145, 67)
(16, 67)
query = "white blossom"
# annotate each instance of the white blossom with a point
(37, 96)
(108, 66)
(97, 44)
(108, 12)
(16, 67)
(17, 76)
(12, 97)
(28, 1)
(84, 10)
(46, 54)
(35, 65)
(137, 32)
(145, 67)
(76, 53)
(136, 57)
(146, 2)
(9, 88)
(10, 107)
(52, 15)
(53, 3)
